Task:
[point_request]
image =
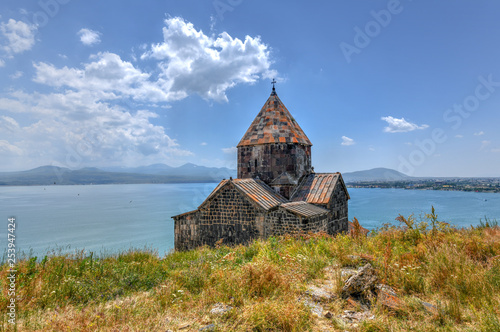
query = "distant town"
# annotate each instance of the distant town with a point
(488, 185)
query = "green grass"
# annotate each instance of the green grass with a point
(457, 270)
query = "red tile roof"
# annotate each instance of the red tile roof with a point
(274, 124)
(317, 188)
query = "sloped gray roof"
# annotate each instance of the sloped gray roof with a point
(304, 209)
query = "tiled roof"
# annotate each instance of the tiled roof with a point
(317, 188)
(256, 190)
(274, 124)
(259, 192)
(304, 209)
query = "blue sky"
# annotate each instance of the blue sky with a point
(408, 85)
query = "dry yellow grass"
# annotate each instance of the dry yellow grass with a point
(458, 271)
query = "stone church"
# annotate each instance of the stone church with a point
(276, 192)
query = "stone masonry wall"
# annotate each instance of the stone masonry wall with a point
(268, 161)
(281, 222)
(338, 211)
(186, 231)
(228, 216)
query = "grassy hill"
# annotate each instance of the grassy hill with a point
(443, 279)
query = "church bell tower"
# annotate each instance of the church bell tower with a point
(274, 148)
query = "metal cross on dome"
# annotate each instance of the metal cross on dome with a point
(273, 83)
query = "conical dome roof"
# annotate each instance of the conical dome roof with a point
(274, 124)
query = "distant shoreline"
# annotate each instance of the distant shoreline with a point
(482, 185)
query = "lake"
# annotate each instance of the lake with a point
(109, 218)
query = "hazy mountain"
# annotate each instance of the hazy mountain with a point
(376, 174)
(158, 173)
(151, 169)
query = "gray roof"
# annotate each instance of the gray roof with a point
(304, 209)
(256, 190)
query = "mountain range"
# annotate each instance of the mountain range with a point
(156, 173)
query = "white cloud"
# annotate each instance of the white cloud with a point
(495, 150)
(19, 36)
(107, 75)
(481, 133)
(17, 75)
(203, 143)
(89, 37)
(396, 125)
(2, 63)
(232, 149)
(75, 129)
(193, 62)
(346, 141)
(484, 145)
(95, 114)
(459, 136)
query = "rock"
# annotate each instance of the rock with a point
(429, 307)
(351, 316)
(319, 294)
(362, 283)
(210, 327)
(328, 314)
(346, 273)
(388, 298)
(220, 308)
(315, 307)
(387, 289)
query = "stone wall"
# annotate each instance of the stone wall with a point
(281, 222)
(227, 215)
(268, 161)
(338, 211)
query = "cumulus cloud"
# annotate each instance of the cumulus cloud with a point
(77, 128)
(346, 141)
(481, 133)
(459, 136)
(232, 149)
(108, 75)
(18, 36)
(396, 125)
(2, 63)
(99, 113)
(89, 37)
(203, 143)
(192, 62)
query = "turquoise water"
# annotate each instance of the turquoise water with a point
(110, 218)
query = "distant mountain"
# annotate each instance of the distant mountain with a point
(376, 174)
(151, 169)
(158, 173)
